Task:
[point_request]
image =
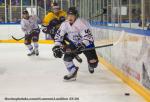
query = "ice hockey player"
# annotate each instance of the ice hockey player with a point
(80, 37)
(53, 19)
(52, 22)
(29, 25)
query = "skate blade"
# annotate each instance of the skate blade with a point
(70, 80)
(31, 55)
(37, 54)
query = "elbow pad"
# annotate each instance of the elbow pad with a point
(53, 23)
(62, 19)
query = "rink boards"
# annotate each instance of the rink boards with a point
(129, 59)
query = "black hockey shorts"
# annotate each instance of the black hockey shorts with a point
(91, 58)
(90, 55)
(69, 57)
(32, 37)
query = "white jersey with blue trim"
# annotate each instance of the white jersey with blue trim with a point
(78, 32)
(28, 25)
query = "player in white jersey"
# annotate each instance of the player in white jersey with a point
(29, 25)
(79, 35)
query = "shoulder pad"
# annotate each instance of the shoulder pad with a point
(50, 14)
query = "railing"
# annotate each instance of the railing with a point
(14, 14)
(117, 11)
(11, 10)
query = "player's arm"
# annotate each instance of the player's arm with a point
(49, 20)
(39, 21)
(59, 37)
(49, 23)
(23, 27)
(62, 19)
(53, 23)
(87, 37)
(87, 40)
(63, 16)
(46, 19)
(50, 27)
(85, 33)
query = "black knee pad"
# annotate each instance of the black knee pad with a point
(68, 57)
(93, 63)
(35, 39)
(27, 42)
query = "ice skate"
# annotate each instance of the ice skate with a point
(91, 70)
(71, 76)
(36, 52)
(31, 53)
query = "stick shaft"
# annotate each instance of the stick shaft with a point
(18, 38)
(88, 49)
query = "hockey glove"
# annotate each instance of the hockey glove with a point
(53, 23)
(44, 30)
(81, 47)
(35, 31)
(57, 51)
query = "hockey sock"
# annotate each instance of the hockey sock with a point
(30, 47)
(70, 66)
(36, 45)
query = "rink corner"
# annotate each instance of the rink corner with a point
(145, 93)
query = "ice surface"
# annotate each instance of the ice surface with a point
(42, 77)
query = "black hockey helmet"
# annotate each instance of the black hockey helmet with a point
(25, 12)
(73, 11)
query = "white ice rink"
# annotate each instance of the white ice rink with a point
(42, 77)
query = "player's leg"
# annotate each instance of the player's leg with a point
(72, 69)
(92, 60)
(68, 60)
(65, 41)
(27, 42)
(35, 38)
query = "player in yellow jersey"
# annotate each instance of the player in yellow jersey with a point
(53, 19)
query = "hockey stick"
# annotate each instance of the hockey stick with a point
(88, 49)
(102, 11)
(95, 16)
(18, 39)
(101, 46)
